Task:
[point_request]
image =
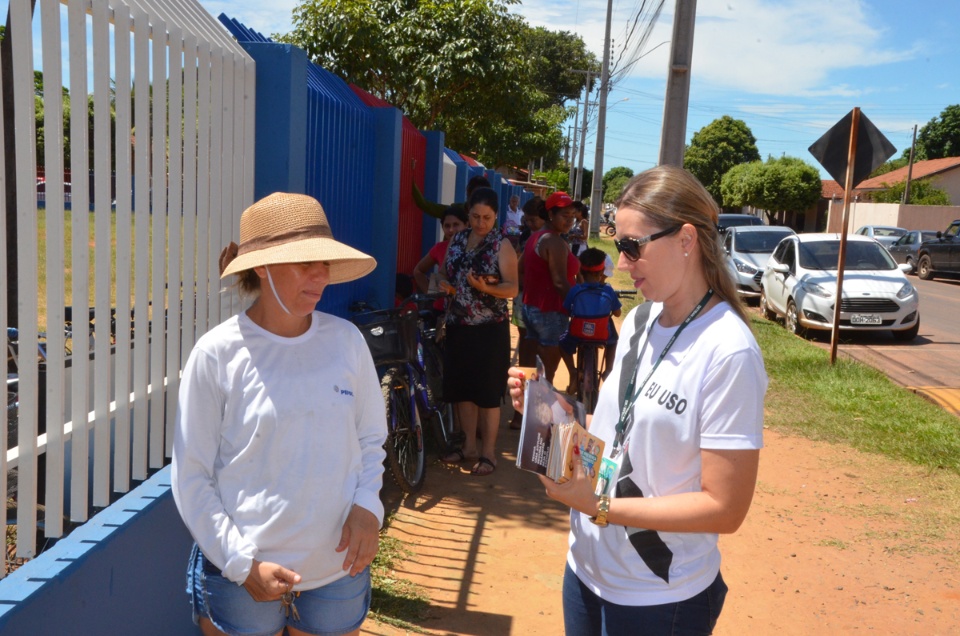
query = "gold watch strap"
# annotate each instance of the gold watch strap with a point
(603, 507)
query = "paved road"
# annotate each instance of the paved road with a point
(930, 364)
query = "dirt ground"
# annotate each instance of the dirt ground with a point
(836, 542)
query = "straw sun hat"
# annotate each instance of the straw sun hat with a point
(292, 228)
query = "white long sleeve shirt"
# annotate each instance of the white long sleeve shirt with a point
(276, 439)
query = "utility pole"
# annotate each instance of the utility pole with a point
(673, 135)
(596, 198)
(573, 150)
(583, 133)
(913, 145)
(566, 146)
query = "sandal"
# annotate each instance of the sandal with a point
(454, 456)
(481, 462)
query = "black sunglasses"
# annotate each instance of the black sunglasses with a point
(632, 248)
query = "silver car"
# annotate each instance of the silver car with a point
(885, 235)
(748, 248)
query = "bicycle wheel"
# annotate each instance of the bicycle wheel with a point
(589, 378)
(611, 229)
(404, 445)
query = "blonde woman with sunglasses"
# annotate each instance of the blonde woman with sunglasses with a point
(681, 415)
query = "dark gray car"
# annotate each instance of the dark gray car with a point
(904, 250)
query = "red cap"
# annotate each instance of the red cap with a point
(558, 200)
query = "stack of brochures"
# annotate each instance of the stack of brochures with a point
(553, 423)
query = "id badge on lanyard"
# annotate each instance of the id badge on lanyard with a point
(609, 468)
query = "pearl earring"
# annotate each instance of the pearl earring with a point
(685, 254)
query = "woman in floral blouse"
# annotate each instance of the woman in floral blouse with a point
(480, 273)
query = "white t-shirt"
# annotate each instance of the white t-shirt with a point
(276, 439)
(513, 218)
(706, 394)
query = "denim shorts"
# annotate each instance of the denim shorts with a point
(586, 614)
(336, 608)
(546, 327)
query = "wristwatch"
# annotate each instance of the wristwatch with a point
(603, 507)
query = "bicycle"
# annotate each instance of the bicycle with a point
(590, 366)
(396, 339)
(609, 227)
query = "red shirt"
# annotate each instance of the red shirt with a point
(538, 289)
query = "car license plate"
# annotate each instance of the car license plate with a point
(865, 319)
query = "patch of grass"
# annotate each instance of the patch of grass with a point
(395, 601)
(852, 403)
(832, 543)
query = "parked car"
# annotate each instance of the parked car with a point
(800, 284)
(940, 256)
(905, 248)
(886, 235)
(748, 248)
(730, 220)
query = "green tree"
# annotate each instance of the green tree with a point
(613, 188)
(551, 55)
(493, 84)
(790, 184)
(717, 147)
(940, 137)
(922, 192)
(742, 185)
(781, 184)
(609, 176)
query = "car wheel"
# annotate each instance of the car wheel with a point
(925, 268)
(908, 334)
(768, 313)
(792, 320)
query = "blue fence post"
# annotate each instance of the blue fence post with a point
(281, 118)
(432, 184)
(494, 178)
(386, 203)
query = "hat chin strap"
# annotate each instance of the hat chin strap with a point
(274, 290)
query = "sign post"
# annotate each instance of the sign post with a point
(866, 149)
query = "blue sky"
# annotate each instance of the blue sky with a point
(789, 68)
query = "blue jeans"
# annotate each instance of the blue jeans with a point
(334, 609)
(586, 614)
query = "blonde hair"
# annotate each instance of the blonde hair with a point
(670, 196)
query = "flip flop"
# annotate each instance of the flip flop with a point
(480, 462)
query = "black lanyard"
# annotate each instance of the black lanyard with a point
(631, 395)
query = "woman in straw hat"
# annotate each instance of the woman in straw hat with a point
(278, 448)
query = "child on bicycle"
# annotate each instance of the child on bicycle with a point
(591, 305)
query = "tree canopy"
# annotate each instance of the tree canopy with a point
(940, 137)
(717, 147)
(781, 184)
(492, 83)
(613, 181)
(922, 192)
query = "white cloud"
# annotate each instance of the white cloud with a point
(765, 47)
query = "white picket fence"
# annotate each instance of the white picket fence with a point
(183, 94)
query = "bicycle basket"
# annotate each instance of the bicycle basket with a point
(391, 340)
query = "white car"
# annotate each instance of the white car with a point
(748, 248)
(800, 284)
